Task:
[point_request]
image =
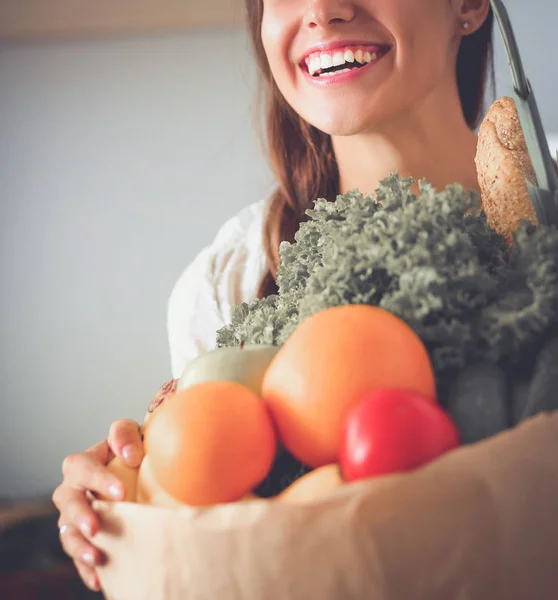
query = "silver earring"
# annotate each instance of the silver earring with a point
(465, 25)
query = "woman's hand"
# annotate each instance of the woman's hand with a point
(85, 474)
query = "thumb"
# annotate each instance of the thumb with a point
(125, 441)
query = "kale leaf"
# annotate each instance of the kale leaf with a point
(430, 259)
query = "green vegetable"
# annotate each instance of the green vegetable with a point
(432, 260)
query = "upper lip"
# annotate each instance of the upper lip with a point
(328, 46)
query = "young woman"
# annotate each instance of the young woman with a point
(355, 90)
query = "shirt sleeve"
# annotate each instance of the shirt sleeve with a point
(222, 274)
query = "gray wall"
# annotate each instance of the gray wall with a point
(534, 23)
(118, 162)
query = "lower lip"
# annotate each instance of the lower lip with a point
(342, 77)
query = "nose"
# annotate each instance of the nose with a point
(321, 13)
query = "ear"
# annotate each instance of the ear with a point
(470, 14)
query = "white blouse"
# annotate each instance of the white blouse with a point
(226, 272)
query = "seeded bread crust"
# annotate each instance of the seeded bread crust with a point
(503, 164)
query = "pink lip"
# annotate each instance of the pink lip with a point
(329, 46)
(343, 77)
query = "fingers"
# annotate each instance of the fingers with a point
(86, 474)
(87, 471)
(76, 546)
(75, 510)
(125, 440)
(100, 453)
(88, 576)
(84, 555)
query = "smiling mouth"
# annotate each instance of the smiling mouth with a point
(342, 60)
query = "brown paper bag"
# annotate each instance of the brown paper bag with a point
(480, 523)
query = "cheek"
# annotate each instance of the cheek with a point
(277, 35)
(423, 57)
(420, 29)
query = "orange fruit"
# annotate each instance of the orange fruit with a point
(313, 485)
(328, 364)
(211, 443)
(149, 491)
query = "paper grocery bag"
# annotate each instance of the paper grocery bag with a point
(481, 523)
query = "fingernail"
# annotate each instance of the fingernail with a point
(131, 454)
(86, 529)
(115, 491)
(94, 584)
(88, 558)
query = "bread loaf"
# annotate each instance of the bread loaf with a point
(503, 166)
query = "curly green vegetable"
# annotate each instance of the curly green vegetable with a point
(485, 311)
(432, 260)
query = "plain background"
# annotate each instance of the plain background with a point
(119, 160)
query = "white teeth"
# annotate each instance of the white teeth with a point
(331, 73)
(315, 65)
(326, 61)
(338, 59)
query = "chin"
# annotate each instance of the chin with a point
(350, 114)
(344, 129)
(344, 123)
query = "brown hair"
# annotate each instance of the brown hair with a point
(302, 157)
